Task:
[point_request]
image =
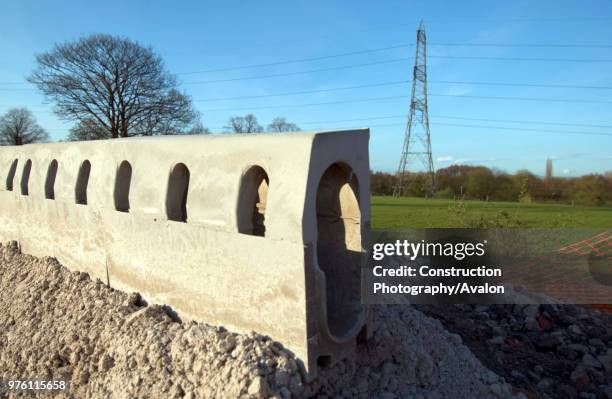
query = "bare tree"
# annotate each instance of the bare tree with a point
(87, 129)
(280, 124)
(244, 124)
(198, 128)
(90, 129)
(18, 126)
(112, 87)
(235, 124)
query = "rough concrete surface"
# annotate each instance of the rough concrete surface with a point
(232, 230)
(60, 324)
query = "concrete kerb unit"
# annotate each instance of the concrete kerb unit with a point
(261, 232)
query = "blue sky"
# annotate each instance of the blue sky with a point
(199, 36)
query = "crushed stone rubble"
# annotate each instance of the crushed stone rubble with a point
(550, 350)
(61, 324)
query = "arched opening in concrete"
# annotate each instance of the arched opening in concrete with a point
(252, 200)
(10, 178)
(122, 187)
(176, 196)
(80, 190)
(25, 177)
(339, 247)
(50, 180)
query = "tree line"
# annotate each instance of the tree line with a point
(249, 124)
(482, 183)
(112, 87)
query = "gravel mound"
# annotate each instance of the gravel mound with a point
(58, 324)
(549, 351)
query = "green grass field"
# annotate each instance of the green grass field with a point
(397, 213)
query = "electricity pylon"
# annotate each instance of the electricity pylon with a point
(417, 141)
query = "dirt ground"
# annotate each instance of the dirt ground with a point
(58, 324)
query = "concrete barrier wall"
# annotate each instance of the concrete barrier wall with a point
(267, 230)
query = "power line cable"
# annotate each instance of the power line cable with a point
(394, 47)
(390, 83)
(570, 132)
(373, 63)
(511, 84)
(386, 98)
(545, 123)
(11, 89)
(521, 19)
(465, 118)
(305, 91)
(300, 72)
(367, 51)
(354, 119)
(270, 75)
(397, 82)
(453, 57)
(350, 66)
(562, 100)
(406, 96)
(15, 83)
(526, 129)
(307, 105)
(523, 121)
(298, 60)
(527, 45)
(581, 133)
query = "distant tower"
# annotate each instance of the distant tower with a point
(549, 170)
(417, 141)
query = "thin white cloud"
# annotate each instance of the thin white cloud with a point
(458, 90)
(445, 158)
